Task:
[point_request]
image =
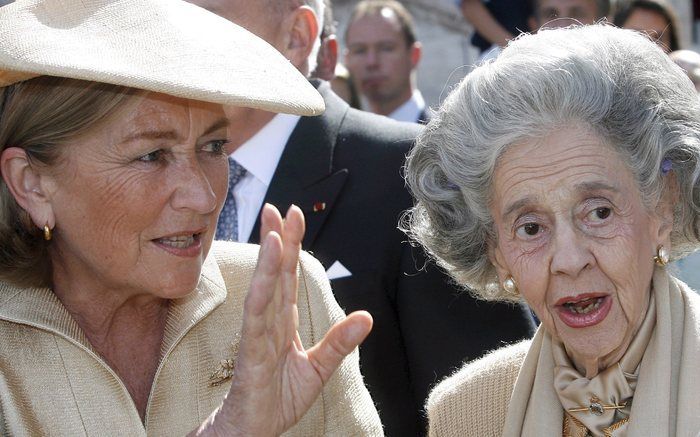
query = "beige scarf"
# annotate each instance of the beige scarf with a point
(667, 396)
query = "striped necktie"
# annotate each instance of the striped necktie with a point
(227, 228)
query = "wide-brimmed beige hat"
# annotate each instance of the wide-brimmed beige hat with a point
(167, 46)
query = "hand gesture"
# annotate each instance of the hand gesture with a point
(276, 379)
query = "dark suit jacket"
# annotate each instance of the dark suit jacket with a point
(343, 169)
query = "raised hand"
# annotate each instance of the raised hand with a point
(276, 379)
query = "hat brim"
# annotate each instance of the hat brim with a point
(166, 46)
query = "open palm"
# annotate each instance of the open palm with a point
(276, 379)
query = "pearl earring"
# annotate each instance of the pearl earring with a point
(662, 257)
(509, 285)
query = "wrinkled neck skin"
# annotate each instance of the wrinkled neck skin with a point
(592, 366)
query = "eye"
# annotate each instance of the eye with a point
(217, 147)
(153, 156)
(599, 214)
(528, 230)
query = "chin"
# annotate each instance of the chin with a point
(594, 342)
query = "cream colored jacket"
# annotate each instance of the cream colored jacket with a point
(474, 401)
(53, 383)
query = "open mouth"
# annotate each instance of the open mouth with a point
(180, 241)
(584, 306)
(584, 310)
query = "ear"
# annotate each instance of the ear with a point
(665, 208)
(327, 59)
(416, 53)
(302, 34)
(498, 260)
(27, 186)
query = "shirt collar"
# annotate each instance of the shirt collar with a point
(411, 110)
(262, 152)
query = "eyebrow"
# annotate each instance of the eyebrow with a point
(518, 204)
(171, 134)
(218, 124)
(596, 186)
(584, 187)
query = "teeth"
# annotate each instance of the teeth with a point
(581, 308)
(178, 242)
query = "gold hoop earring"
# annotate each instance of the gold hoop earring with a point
(47, 232)
(509, 285)
(662, 257)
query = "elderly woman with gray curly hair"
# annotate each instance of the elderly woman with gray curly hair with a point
(571, 189)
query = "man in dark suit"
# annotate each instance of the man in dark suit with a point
(382, 56)
(343, 169)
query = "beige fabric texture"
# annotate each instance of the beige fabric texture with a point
(166, 46)
(53, 383)
(510, 392)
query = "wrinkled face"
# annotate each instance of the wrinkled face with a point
(573, 233)
(653, 24)
(378, 57)
(136, 201)
(566, 12)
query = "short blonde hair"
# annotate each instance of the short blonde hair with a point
(42, 116)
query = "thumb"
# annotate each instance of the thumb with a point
(339, 341)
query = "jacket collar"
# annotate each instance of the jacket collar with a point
(40, 308)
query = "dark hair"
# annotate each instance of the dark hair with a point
(374, 7)
(625, 8)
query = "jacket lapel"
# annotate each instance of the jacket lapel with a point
(305, 175)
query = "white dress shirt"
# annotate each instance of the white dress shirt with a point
(411, 109)
(260, 156)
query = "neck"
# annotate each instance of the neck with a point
(386, 107)
(125, 330)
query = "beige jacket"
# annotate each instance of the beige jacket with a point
(474, 401)
(53, 383)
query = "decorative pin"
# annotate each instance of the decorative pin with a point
(226, 367)
(319, 206)
(596, 407)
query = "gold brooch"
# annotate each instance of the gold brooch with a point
(597, 407)
(226, 366)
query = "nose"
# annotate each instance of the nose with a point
(372, 59)
(193, 190)
(571, 253)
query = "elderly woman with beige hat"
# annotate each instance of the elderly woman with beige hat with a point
(117, 313)
(567, 173)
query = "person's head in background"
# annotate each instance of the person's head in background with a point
(689, 61)
(293, 27)
(327, 56)
(562, 13)
(327, 66)
(382, 53)
(656, 18)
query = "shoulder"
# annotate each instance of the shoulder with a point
(362, 126)
(316, 304)
(473, 401)
(379, 129)
(238, 260)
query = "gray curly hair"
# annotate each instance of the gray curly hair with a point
(617, 82)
